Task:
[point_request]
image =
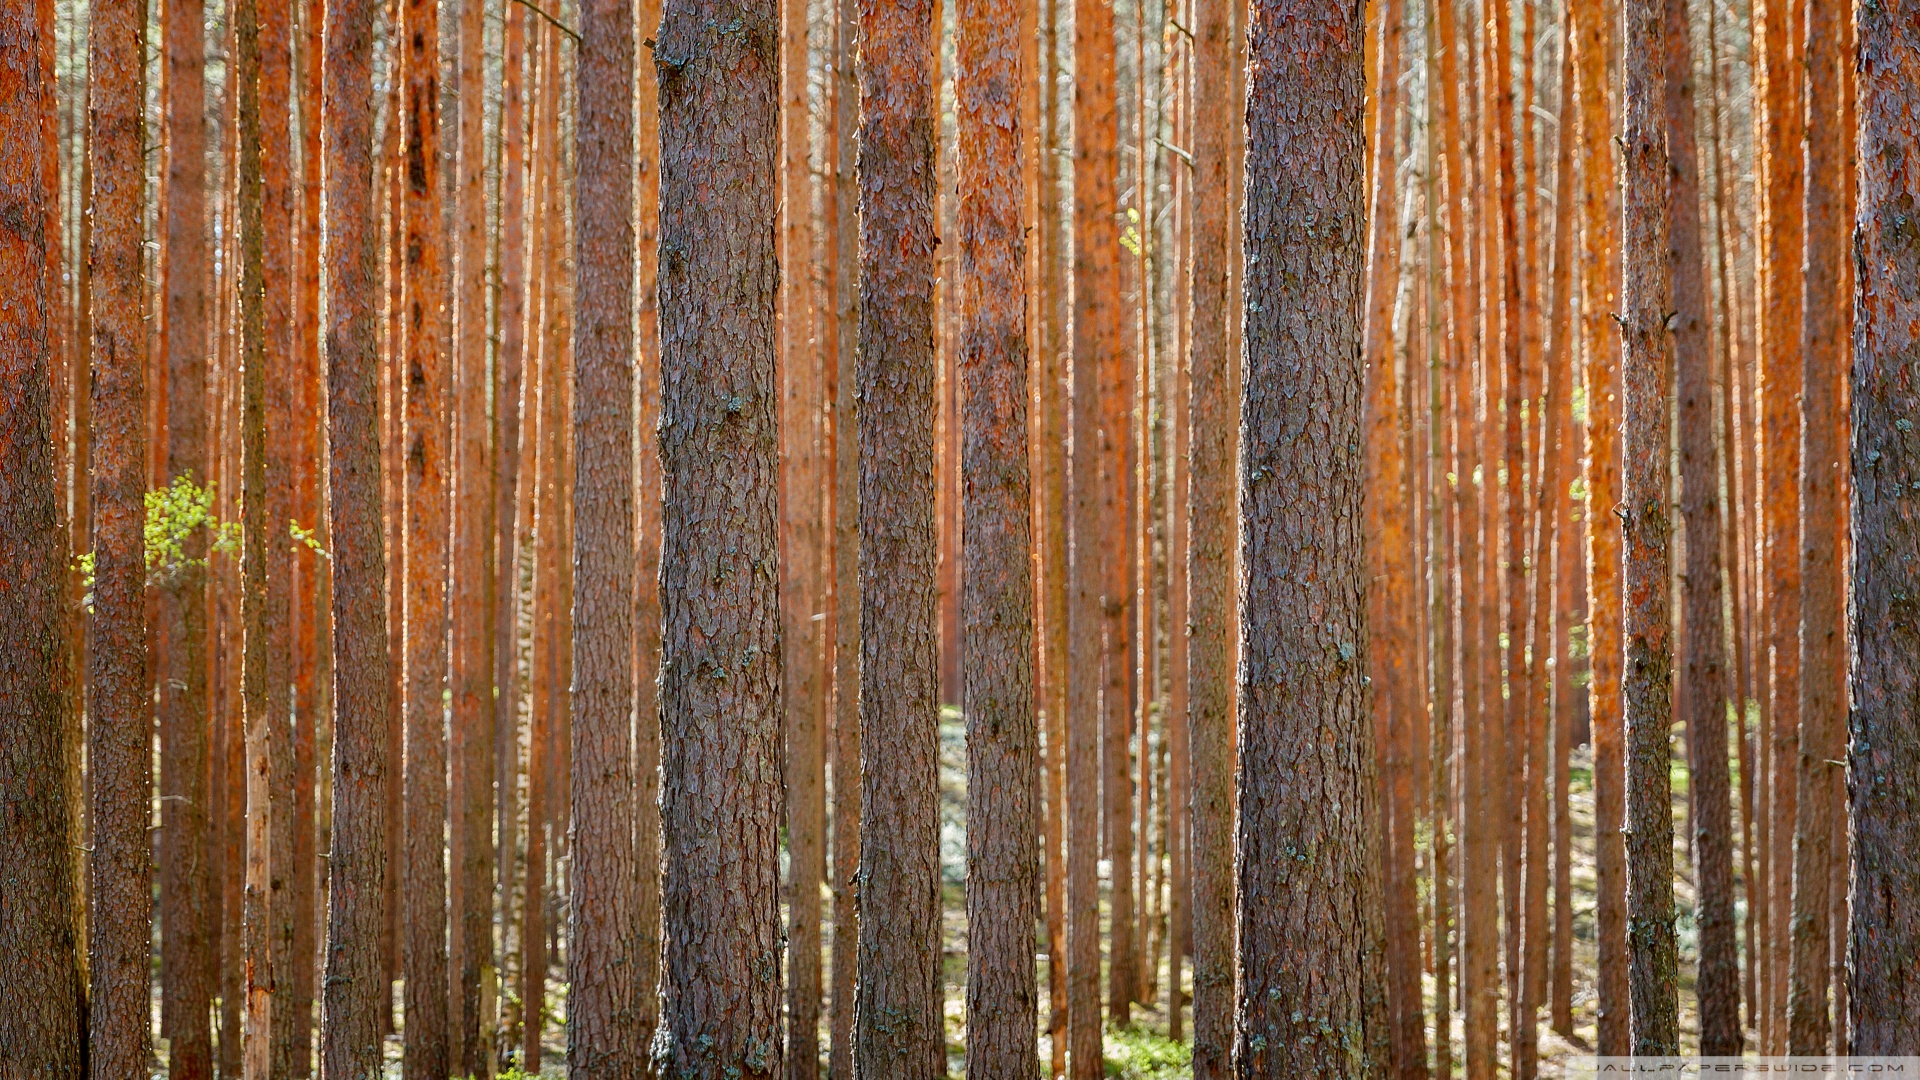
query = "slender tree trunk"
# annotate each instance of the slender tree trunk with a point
(393, 438)
(471, 674)
(1390, 569)
(44, 1024)
(997, 571)
(1647, 355)
(721, 662)
(119, 750)
(353, 985)
(1702, 648)
(1884, 747)
(801, 550)
(1776, 83)
(843, 258)
(1822, 635)
(1602, 480)
(184, 919)
(1210, 555)
(601, 949)
(897, 1021)
(1311, 952)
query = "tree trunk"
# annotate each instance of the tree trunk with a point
(897, 1021)
(603, 991)
(997, 571)
(1884, 748)
(352, 1003)
(1647, 685)
(470, 659)
(184, 880)
(1778, 145)
(119, 750)
(43, 1027)
(1312, 997)
(1822, 642)
(720, 605)
(1210, 555)
(1702, 649)
(1602, 479)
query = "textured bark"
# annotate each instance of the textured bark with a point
(43, 1025)
(1647, 683)
(1390, 570)
(898, 1028)
(601, 951)
(512, 424)
(842, 257)
(470, 657)
(1702, 665)
(1782, 124)
(1823, 662)
(997, 571)
(1179, 610)
(352, 1007)
(1210, 555)
(1312, 996)
(186, 941)
(428, 464)
(802, 548)
(1883, 945)
(119, 747)
(720, 666)
(392, 376)
(1601, 475)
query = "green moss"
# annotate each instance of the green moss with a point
(1135, 1053)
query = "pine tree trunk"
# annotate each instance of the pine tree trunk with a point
(1884, 748)
(720, 601)
(1601, 476)
(119, 762)
(1778, 146)
(353, 985)
(1647, 683)
(1702, 649)
(428, 464)
(1822, 644)
(897, 1021)
(43, 1027)
(470, 661)
(1312, 996)
(1210, 555)
(997, 571)
(184, 763)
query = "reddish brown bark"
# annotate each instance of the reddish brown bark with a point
(44, 1024)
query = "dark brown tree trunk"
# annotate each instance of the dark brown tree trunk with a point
(184, 924)
(720, 604)
(119, 735)
(1702, 649)
(353, 985)
(1884, 748)
(897, 1021)
(1823, 661)
(1647, 685)
(1210, 555)
(428, 386)
(997, 571)
(603, 991)
(1312, 996)
(44, 1024)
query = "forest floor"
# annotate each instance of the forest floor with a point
(1141, 1049)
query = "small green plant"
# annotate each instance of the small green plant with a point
(175, 514)
(309, 537)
